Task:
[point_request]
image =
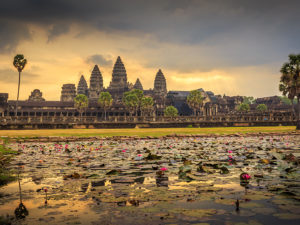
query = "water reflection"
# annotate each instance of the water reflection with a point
(21, 211)
(161, 179)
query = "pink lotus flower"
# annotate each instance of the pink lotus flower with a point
(163, 169)
(230, 157)
(229, 151)
(139, 155)
(124, 150)
(246, 176)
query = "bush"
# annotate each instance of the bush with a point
(171, 111)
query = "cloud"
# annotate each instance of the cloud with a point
(11, 34)
(99, 60)
(12, 76)
(56, 30)
(178, 21)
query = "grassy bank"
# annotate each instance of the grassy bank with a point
(142, 132)
(5, 157)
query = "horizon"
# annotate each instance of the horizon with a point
(232, 48)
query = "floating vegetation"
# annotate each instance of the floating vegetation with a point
(209, 180)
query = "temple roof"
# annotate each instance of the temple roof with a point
(138, 85)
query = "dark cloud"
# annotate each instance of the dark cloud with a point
(99, 60)
(234, 32)
(11, 34)
(12, 76)
(57, 30)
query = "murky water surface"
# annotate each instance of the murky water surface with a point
(167, 181)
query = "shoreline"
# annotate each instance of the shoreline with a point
(135, 137)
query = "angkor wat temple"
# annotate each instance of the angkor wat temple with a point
(36, 105)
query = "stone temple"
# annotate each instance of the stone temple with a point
(36, 105)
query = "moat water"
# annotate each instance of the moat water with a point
(161, 181)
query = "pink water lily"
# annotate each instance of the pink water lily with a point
(139, 155)
(124, 150)
(246, 176)
(163, 169)
(229, 151)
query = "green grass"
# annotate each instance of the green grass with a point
(141, 132)
(5, 156)
(6, 151)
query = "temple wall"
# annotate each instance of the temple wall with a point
(65, 122)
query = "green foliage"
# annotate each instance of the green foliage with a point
(5, 178)
(195, 100)
(261, 108)
(105, 100)
(131, 101)
(81, 102)
(189, 126)
(288, 101)
(290, 77)
(244, 107)
(249, 100)
(139, 94)
(19, 62)
(147, 104)
(171, 111)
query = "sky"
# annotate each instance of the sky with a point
(232, 47)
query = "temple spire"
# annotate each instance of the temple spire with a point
(96, 83)
(82, 87)
(160, 84)
(138, 84)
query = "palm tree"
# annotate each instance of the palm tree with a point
(19, 62)
(147, 104)
(139, 94)
(195, 101)
(131, 101)
(290, 81)
(81, 102)
(105, 100)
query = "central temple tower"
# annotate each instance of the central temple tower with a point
(96, 83)
(118, 84)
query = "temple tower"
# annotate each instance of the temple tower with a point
(96, 83)
(138, 85)
(119, 75)
(36, 96)
(82, 87)
(160, 92)
(160, 84)
(118, 84)
(68, 93)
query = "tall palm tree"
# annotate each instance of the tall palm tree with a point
(81, 102)
(105, 100)
(139, 94)
(131, 102)
(290, 81)
(147, 104)
(195, 100)
(19, 62)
